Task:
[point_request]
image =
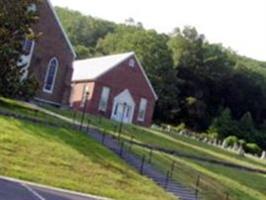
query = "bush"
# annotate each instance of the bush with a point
(242, 142)
(180, 127)
(252, 148)
(28, 88)
(231, 140)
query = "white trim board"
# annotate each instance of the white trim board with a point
(62, 29)
(146, 77)
(47, 101)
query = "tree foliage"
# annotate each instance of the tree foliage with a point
(152, 50)
(15, 25)
(203, 85)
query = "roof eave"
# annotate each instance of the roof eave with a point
(62, 29)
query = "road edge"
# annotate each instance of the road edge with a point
(52, 188)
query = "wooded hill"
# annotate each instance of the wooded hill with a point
(205, 86)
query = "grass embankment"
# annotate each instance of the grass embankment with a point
(216, 180)
(67, 159)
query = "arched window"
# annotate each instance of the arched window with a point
(50, 76)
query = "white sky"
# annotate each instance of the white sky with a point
(239, 24)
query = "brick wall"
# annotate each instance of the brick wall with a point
(118, 79)
(52, 44)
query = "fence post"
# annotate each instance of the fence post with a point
(131, 143)
(36, 115)
(74, 119)
(88, 125)
(100, 119)
(197, 187)
(121, 149)
(103, 137)
(142, 165)
(166, 180)
(115, 128)
(172, 169)
(150, 156)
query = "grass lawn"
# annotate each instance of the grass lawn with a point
(70, 160)
(216, 180)
(176, 142)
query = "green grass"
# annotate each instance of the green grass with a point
(176, 142)
(216, 180)
(70, 160)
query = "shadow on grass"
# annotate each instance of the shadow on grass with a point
(77, 141)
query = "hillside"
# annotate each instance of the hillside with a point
(82, 158)
(67, 159)
(199, 84)
(191, 161)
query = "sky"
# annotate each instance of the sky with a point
(238, 24)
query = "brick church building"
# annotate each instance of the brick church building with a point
(50, 57)
(116, 87)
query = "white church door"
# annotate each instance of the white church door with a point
(123, 107)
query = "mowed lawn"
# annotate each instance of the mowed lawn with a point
(217, 181)
(158, 138)
(67, 159)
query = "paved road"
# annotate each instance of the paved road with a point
(10, 190)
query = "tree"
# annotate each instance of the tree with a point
(225, 125)
(152, 50)
(16, 20)
(84, 30)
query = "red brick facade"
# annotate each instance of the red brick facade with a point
(118, 79)
(52, 43)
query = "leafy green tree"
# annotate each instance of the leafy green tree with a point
(225, 125)
(193, 78)
(152, 50)
(84, 30)
(16, 20)
(246, 122)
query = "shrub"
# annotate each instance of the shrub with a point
(242, 142)
(180, 127)
(231, 140)
(252, 148)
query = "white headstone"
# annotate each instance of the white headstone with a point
(224, 145)
(263, 155)
(235, 147)
(205, 140)
(241, 151)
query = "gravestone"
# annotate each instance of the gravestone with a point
(236, 147)
(205, 140)
(241, 151)
(263, 155)
(168, 128)
(224, 145)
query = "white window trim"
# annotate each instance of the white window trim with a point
(84, 96)
(142, 119)
(46, 76)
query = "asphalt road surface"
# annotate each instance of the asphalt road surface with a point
(11, 190)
